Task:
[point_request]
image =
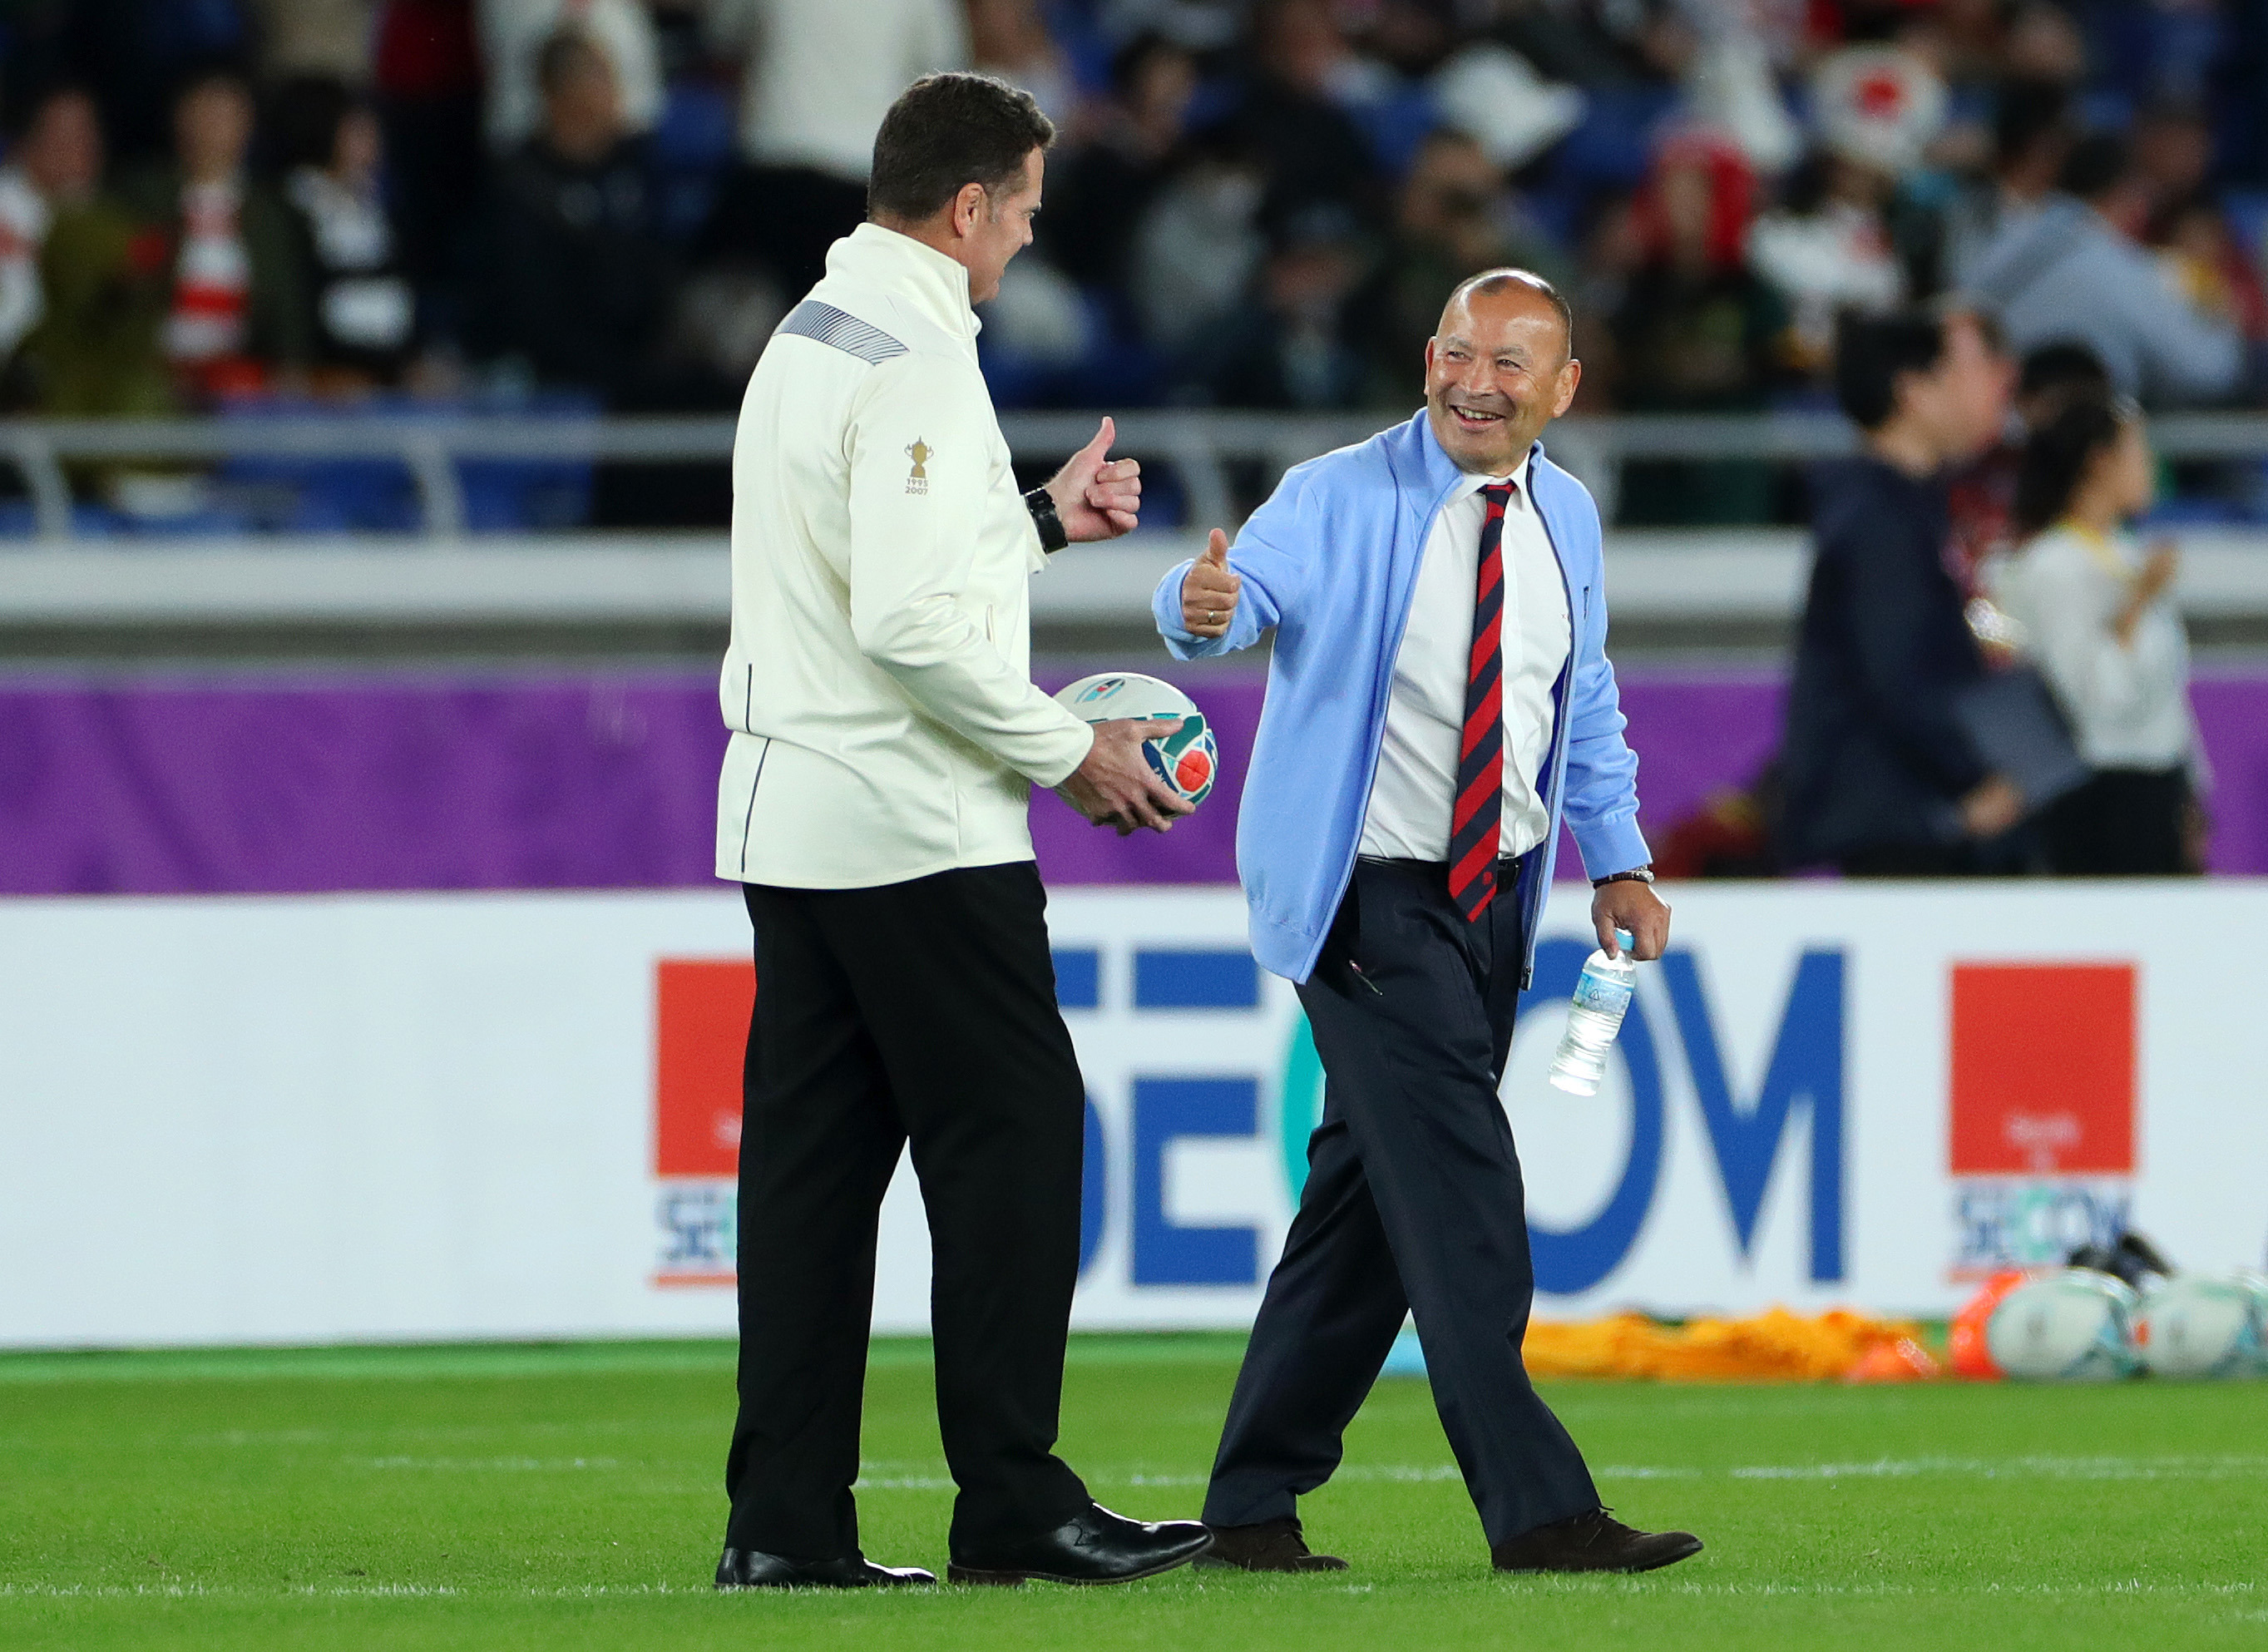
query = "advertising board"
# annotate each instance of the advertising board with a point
(409, 1117)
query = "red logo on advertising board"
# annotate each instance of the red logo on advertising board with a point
(701, 1009)
(701, 1029)
(2043, 1069)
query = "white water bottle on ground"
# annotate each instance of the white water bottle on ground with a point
(1602, 995)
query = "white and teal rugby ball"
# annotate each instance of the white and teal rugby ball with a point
(2075, 1326)
(1187, 760)
(2195, 1326)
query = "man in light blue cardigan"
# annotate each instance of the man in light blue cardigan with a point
(1438, 701)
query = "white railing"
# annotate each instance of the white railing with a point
(1202, 448)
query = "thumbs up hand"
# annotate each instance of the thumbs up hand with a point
(1208, 591)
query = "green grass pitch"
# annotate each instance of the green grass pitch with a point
(567, 1498)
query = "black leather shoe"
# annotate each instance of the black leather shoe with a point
(1093, 1546)
(1595, 1542)
(748, 1568)
(1267, 1545)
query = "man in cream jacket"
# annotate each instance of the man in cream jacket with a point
(886, 737)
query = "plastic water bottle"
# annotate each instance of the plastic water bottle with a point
(1602, 995)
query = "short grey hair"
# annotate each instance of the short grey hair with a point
(1499, 280)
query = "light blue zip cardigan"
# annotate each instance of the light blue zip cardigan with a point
(1330, 561)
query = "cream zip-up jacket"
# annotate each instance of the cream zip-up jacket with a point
(885, 724)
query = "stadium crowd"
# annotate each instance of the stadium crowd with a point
(1251, 203)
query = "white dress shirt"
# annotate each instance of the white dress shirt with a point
(2128, 703)
(1415, 792)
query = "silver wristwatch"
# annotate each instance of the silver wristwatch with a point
(1636, 875)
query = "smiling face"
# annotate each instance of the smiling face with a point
(1497, 372)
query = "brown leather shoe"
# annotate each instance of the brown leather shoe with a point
(1595, 1542)
(1269, 1545)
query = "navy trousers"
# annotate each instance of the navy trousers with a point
(1413, 1204)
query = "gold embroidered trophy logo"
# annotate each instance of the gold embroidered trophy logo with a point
(921, 452)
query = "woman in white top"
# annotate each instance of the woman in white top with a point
(2101, 626)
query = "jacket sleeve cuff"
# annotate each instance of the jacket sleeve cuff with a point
(1612, 843)
(1166, 604)
(1063, 762)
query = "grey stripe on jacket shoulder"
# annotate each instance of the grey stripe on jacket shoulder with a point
(844, 331)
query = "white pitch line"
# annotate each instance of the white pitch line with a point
(461, 1466)
(2089, 1468)
(2098, 1468)
(2110, 1588)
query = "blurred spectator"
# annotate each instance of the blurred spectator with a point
(426, 72)
(1827, 249)
(2204, 258)
(1199, 246)
(316, 37)
(1008, 39)
(1310, 150)
(129, 55)
(1197, 25)
(2204, 264)
(105, 287)
(1983, 494)
(1880, 779)
(2043, 44)
(1454, 218)
(239, 314)
(2031, 136)
(55, 163)
(577, 285)
(1695, 330)
(2072, 270)
(1289, 347)
(362, 315)
(513, 35)
(2173, 151)
(819, 76)
(2100, 623)
(1098, 192)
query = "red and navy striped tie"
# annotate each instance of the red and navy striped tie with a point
(1475, 823)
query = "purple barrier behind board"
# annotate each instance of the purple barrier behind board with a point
(274, 784)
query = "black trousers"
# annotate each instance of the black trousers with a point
(1413, 1203)
(2122, 823)
(923, 1011)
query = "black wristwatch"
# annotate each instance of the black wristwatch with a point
(1041, 505)
(1636, 875)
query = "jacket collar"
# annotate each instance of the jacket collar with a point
(1438, 473)
(935, 285)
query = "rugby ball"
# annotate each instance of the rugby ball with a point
(2194, 1326)
(1187, 760)
(2074, 1326)
(2253, 1284)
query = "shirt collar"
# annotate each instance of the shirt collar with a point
(1468, 484)
(936, 285)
